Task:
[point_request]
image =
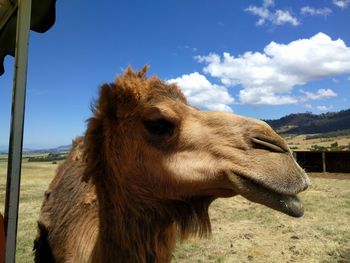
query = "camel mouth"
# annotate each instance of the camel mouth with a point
(289, 204)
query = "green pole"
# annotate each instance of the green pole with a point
(16, 135)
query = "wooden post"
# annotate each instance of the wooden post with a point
(324, 162)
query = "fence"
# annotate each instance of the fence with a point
(333, 162)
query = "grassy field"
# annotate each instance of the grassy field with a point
(247, 232)
(242, 231)
(305, 142)
(35, 179)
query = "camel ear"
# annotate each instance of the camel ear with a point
(125, 93)
(107, 104)
(116, 100)
(104, 109)
(110, 106)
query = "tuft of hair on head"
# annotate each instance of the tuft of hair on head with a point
(126, 90)
(129, 73)
(132, 85)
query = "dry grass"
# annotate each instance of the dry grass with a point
(35, 179)
(242, 231)
(247, 232)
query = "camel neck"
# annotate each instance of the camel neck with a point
(139, 234)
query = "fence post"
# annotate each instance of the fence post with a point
(324, 162)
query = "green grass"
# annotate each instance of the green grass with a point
(242, 231)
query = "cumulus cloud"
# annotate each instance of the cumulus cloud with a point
(275, 17)
(307, 10)
(200, 92)
(320, 94)
(341, 3)
(268, 77)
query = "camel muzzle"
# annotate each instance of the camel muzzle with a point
(255, 192)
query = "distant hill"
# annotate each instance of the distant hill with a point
(308, 123)
(60, 149)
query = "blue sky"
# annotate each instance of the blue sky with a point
(262, 59)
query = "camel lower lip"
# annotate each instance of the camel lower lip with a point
(291, 205)
(287, 204)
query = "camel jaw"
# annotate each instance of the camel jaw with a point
(288, 204)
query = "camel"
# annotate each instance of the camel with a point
(147, 169)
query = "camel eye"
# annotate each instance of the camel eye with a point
(159, 127)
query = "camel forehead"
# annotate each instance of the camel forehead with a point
(160, 91)
(149, 90)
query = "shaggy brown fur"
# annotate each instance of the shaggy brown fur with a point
(148, 166)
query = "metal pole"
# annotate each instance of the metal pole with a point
(16, 135)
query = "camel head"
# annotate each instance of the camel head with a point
(156, 146)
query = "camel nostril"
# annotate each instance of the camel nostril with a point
(270, 146)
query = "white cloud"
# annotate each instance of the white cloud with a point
(260, 96)
(283, 17)
(324, 108)
(308, 106)
(275, 17)
(267, 3)
(268, 77)
(262, 12)
(307, 10)
(341, 3)
(201, 93)
(320, 94)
